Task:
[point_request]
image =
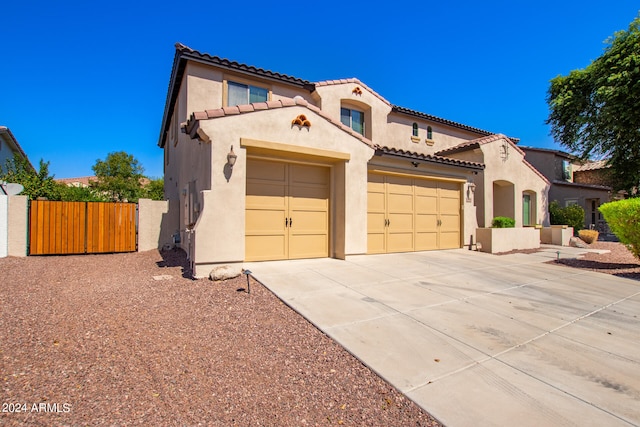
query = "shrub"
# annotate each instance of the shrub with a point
(589, 236)
(623, 218)
(503, 222)
(572, 215)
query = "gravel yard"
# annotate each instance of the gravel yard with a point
(619, 262)
(125, 339)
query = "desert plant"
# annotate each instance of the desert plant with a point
(503, 222)
(572, 215)
(588, 236)
(623, 217)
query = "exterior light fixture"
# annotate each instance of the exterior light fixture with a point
(247, 273)
(231, 157)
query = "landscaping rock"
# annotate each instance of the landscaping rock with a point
(225, 272)
(577, 242)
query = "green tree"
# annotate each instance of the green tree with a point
(623, 217)
(80, 194)
(36, 183)
(119, 177)
(572, 215)
(594, 111)
(154, 190)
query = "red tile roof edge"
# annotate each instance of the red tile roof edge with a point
(269, 105)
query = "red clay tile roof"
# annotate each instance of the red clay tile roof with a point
(475, 143)
(353, 80)
(590, 166)
(381, 150)
(192, 124)
(184, 53)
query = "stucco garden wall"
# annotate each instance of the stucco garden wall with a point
(156, 224)
(18, 223)
(497, 240)
(4, 224)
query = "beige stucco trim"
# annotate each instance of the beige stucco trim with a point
(410, 175)
(259, 147)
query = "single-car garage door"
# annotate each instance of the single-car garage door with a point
(287, 211)
(407, 214)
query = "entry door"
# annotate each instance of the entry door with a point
(407, 214)
(287, 211)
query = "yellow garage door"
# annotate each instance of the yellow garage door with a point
(287, 211)
(407, 214)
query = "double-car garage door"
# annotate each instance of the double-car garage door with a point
(287, 212)
(407, 214)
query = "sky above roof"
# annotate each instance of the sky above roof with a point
(82, 79)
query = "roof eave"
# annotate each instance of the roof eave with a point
(431, 159)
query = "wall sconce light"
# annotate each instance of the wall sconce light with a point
(231, 157)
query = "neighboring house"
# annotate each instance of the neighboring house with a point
(265, 166)
(573, 182)
(82, 181)
(9, 147)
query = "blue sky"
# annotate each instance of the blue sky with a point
(82, 79)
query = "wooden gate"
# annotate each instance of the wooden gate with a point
(58, 228)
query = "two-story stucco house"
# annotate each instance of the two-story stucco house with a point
(264, 166)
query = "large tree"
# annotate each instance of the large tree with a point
(119, 176)
(594, 112)
(36, 183)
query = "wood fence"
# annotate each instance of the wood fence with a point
(58, 228)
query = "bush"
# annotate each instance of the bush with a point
(623, 218)
(503, 222)
(589, 236)
(572, 215)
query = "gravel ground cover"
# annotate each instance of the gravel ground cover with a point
(129, 339)
(619, 262)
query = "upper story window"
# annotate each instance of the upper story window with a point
(242, 94)
(429, 132)
(352, 118)
(566, 170)
(415, 129)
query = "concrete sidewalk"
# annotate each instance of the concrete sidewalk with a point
(480, 339)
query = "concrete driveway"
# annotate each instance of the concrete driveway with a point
(480, 339)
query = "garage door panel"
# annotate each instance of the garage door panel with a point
(266, 171)
(449, 240)
(309, 221)
(306, 174)
(426, 204)
(426, 241)
(449, 206)
(262, 248)
(400, 242)
(400, 202)
(265, 221)
(376, 243)
(400, 222)
(308, 246)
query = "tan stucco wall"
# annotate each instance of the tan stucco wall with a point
(18, 224)
(156, 224)
(4, 222)
(497, 240)
(219, 232)
(515, 171)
